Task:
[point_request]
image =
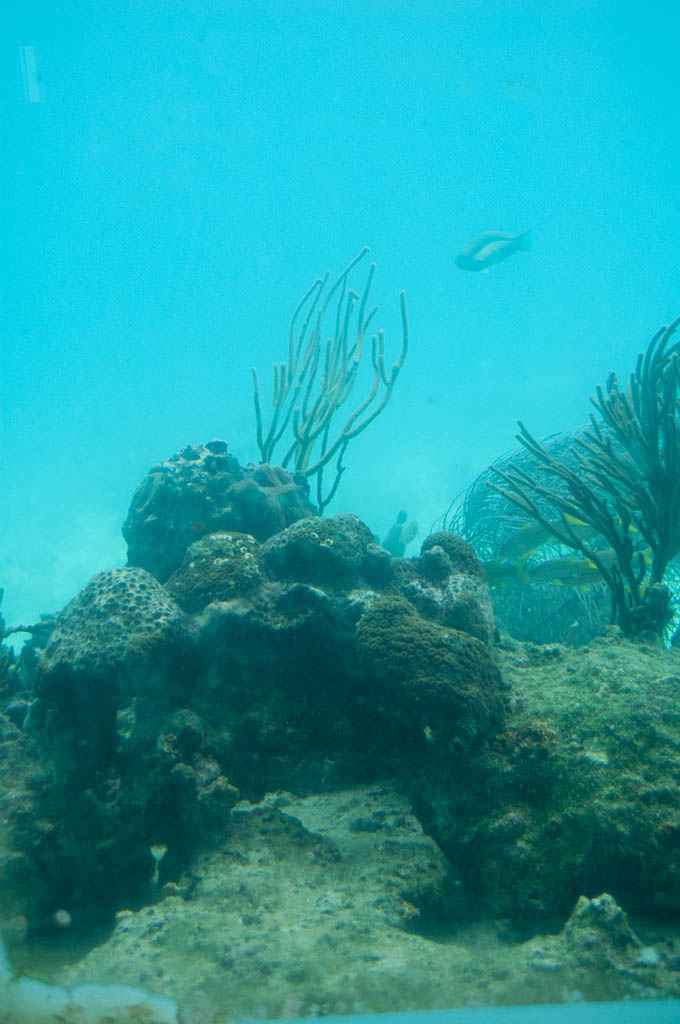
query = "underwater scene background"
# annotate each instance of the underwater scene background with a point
(322, 688)
(181, 174)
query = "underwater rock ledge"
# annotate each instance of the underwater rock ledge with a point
(309, 661)
(310, 664)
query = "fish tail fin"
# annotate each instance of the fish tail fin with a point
(525, 241)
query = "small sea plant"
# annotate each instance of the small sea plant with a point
(317, 379)
(400, 535)
(623, 479)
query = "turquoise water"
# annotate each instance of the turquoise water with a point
(175, 175)
(600, 1013)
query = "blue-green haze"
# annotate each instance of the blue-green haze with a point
(175, 174)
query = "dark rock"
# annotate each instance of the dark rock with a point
(440, 686)
(377, 566)
(23, 884)
(598, 928)
(203, 490)
(267, 499)
(459, 553)
(446, 584)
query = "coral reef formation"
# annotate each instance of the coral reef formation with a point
(218, 567)
(203, 490)
(578, 792)
(297, 759)
(305, 662)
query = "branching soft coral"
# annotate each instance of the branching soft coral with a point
(623, 480)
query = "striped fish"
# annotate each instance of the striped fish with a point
(491, 247)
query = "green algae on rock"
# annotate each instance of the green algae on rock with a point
(439, 685)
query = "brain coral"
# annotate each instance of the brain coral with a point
(121, 616)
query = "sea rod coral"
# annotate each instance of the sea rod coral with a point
(623, 479)
(319, 375)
